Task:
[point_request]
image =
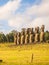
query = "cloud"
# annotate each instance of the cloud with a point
(6, 11)
(36, 15)
(18, 21)
(41, 21)
(33, 16)
(39, 10)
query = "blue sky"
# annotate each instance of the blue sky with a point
(3, 2)
(27, 3)
(22, 8)
(16, 14)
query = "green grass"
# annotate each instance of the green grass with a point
(22, 55)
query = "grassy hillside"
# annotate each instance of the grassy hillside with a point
(31, 54)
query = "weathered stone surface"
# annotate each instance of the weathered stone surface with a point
(36, 37)
(31, 35)
(42, 33)
(36, 34)
(31, 38)
(18, 38)
(22, 39)
(23, 36)
(26, 39)
(15, 38)
(41, 36)
(26, 36)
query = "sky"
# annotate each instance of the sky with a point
(18, 14)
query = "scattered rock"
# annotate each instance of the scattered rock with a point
(1, 61)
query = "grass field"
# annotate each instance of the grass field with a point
(31, 54)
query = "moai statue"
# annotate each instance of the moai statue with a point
(26, 36)
(42, 33)
(15, 38)
(31, 37)
(32, 34)
(23, 36)
(28, 30)
(36, 34)
(18, 38)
